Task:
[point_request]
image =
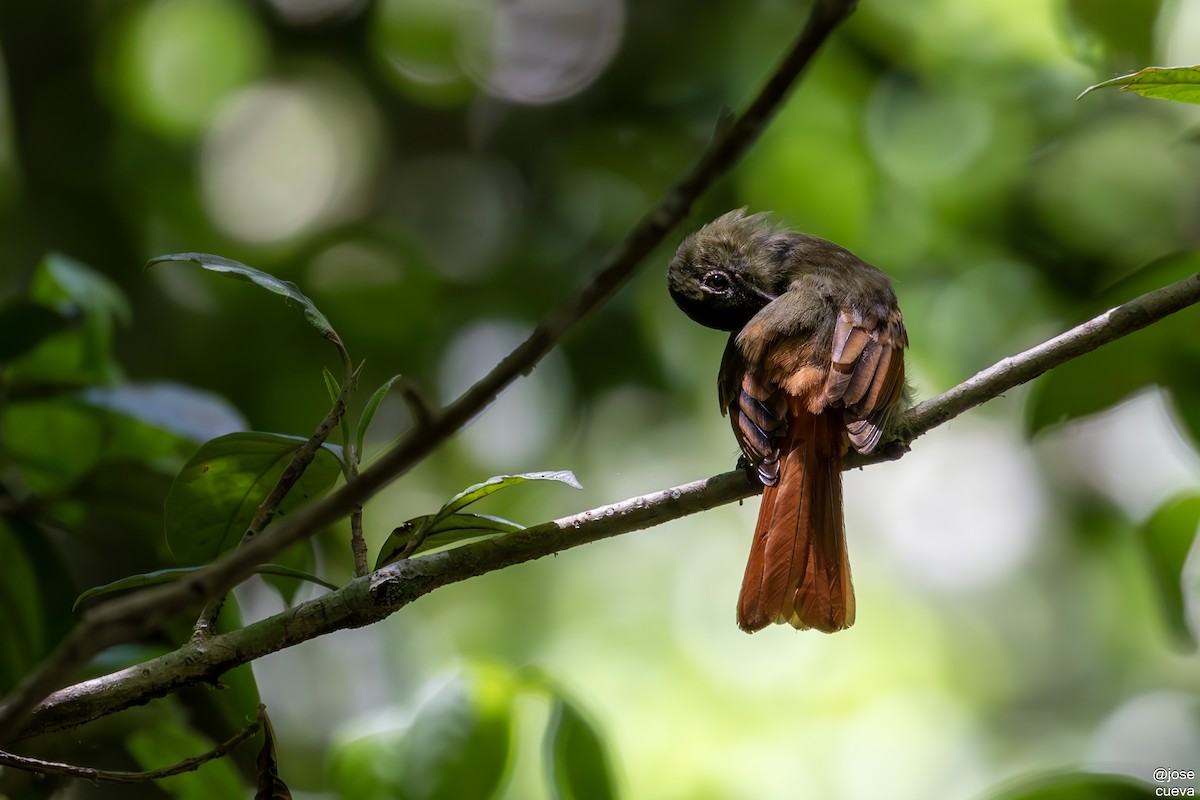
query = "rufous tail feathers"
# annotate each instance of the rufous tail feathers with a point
(798, 571)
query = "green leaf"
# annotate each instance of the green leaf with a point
(234, 269)
(368, 413)
(169, 743)
(1168, 536)
(443, 531)
(577, 762)
(453, 527)
(473, 494)
(162, 576)
(293, 574)
(21, 616)
(270, 785)
(134, 582)
(457, 746)
(1077, 786)
(335, 390)
(332, 387)
(61, 279)
(82, 354)
(1181, 84)
(184, 411)
(57, 443)
(215, 495)
(24, 324)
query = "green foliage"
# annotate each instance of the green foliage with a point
(1079, 786)
(219, 489)
(238, 271)
(161, 576)
(577, 762)
(1168, 536)
(22, 628)
(1166, 355)
(62, 354)
(168, 743)
(450, 525)
(457, 745)
(270, 786)
(1120, 31)
(460, 743)
(368, 414)
(1181, 84)
(363, 157)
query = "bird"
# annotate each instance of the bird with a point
(813, 366)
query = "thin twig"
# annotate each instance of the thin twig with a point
(125, 618)
(358, 544)
(368, 600)
(41, 767)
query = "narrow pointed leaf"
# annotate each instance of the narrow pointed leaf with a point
(162, 576)
(331, 385)
(269, 786)
(284, 571)
(1181, 84)
(335, 390)
(215, 495)
(368, 413)
(239, 271)
(479, 491)
(443, 531)
(134, 582)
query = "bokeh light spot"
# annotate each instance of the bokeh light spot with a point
(285, 157)
(419, 42)
(178, 59)
(981, 508)
(541, 51)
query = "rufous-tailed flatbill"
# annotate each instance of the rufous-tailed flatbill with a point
(814, 365)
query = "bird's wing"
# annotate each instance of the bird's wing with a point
(757, 412)
(866, 371)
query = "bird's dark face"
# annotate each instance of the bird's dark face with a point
(713, 276)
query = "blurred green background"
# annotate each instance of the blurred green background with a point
(436, 174)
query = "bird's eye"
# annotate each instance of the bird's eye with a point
(715, 281)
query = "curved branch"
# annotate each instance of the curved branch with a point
(369, 599)
(124, 619)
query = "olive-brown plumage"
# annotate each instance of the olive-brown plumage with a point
(814, 364)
